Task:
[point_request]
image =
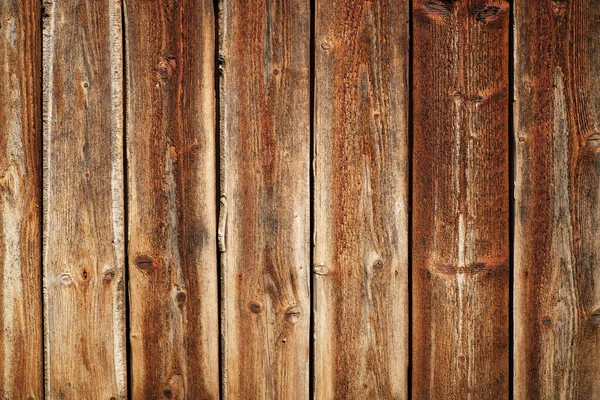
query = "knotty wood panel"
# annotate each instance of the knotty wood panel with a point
(460, 199)
(83, 252)
(557, 221)
(264, 222)
(20, 200)
(361, 182)
(172, 197)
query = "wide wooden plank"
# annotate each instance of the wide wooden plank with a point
(361, 199)
(460, 200)
(264, 215)
(83, 239)
(557, 193)
(20, 201)
(173, 285)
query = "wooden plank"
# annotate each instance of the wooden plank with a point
(361, 199)
(172, 197)
(83, 240)
(264, 222)
(557, 192)
(460, 199)
(21, 362)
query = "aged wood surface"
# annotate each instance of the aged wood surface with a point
(460, 200)
(83, 251)
(557, 193)
(264, 214)
(21, 366)
(361, 207)
(173, 283)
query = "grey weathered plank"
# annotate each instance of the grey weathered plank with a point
(361, 199)
(20, 200)
(264, 224)
(83, 238)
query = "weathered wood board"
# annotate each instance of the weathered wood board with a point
(171, 117)
(21, 338)
(557, 192)
(361, 199)
(83, 227)
(264, 235)
(460, 253)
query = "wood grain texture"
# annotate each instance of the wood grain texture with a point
(21, 362)
(557, 192)
(460, 199)
(83, 239)
(361, 199)
(171, 118)
(264, 223)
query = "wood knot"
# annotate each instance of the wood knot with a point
(487, 13)
(326, 45)
(108, 276)
(180, 297)
(292, 314)
(276, 71)
(595, 316)
(321, 269)
(168, 393)
(65, 279)
(546, 320)
(438, 8)
(378, 265)
(255, 307)
(144, 263)
(165, 68)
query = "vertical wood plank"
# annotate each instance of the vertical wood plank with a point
(557, 193)
(264, 222)
(360, 194)
(460, 199)
(21, 339)
(83, 251)
(172, 196)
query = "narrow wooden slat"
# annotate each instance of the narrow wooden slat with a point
(173, 283)
(83, 252)
(557, 193)
(264, 221)
(460, 200)
(20, 201)
(361, 205)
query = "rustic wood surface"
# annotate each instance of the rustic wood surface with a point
(360, 199)
(170, 114)
(264, 223)
(557, 211)
(460, 200)
(21, 339)
(166, 166)
(83, 238)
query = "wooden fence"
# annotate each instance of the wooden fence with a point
(277, 199)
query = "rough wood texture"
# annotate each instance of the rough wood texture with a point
(361, 205)
(264, 222)
(460, 199)
(557, 221)
(20, 200)
(172, 199)
(83, 252)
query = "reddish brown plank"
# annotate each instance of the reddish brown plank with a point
(557, 193)
(361, 199)
(83, 238)
(460, 199)
(265, 198)
(172, 199)
(20, 200)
